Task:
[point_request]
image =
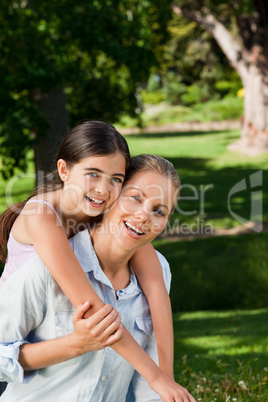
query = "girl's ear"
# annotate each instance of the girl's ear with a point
(63, 170)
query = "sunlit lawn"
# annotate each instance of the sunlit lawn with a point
(220, 356)
(208, 173)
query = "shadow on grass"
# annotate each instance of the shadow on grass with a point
(222, 343)
(228, 272)
(206, 190)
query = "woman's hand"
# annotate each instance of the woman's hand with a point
(170, 391)
(102, 329)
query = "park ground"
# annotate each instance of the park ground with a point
(219, 283)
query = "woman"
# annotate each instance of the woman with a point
(138, 216)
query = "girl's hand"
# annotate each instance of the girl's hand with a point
(102, 329)
(170, 391)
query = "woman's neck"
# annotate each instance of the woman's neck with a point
(113, 260)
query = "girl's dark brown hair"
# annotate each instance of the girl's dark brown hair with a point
(90, 138)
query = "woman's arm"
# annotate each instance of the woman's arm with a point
(94, 333)
(149, 273)
(55, 251)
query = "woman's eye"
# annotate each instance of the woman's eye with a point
(117, 180)
(136, 198)
(159, 212)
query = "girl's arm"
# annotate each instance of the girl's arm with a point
(149, 273)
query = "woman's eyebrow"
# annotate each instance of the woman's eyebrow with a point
(163, 205)
(101, 171)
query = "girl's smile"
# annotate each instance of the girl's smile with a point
(92, 185)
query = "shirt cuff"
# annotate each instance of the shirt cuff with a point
(10, 368)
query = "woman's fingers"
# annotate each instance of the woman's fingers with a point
(80, 311)
(100, 315)
(110, 323)
(115, 337)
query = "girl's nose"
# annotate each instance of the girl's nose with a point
(102, 187)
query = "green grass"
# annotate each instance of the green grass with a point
(230, 108)
(220, 356)
(227, 272)
(208, 172)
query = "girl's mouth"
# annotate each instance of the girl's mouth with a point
(95, 202)
(133, 230)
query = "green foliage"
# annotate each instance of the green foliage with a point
(98, 51)
(193, 68)
(153, 98)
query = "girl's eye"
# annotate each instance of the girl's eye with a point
(159, 212)
(116, 180)
(92, 174)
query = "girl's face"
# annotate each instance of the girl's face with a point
(92, 185)
(142, 210)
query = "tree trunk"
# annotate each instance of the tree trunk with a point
(53, 106)
(254, 132)
(249, 57)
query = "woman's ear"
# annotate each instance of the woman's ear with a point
(63, 170)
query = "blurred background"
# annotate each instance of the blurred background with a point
(187, 80)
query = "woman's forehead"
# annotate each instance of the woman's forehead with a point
(151, 184)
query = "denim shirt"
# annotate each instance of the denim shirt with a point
(33, 308)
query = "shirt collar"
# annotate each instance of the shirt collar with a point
(82, 246)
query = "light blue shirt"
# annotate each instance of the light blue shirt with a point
(33, 308)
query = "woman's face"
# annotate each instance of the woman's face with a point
(142, 210)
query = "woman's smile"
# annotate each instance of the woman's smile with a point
(142, 210)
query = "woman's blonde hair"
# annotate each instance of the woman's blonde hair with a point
(156, 163)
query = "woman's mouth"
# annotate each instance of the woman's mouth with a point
(133, 230)
(95, 202)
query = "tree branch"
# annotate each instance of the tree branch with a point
(227, 42)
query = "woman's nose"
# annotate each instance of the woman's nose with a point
(142, 214)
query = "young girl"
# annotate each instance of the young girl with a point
(91, 165)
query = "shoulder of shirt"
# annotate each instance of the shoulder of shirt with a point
(165, 269)
(163, 261)
(31, 271)
(34, 267)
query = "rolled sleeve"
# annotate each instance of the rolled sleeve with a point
(22, 298)
(10, 368)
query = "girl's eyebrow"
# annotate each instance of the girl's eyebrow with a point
(101, 171)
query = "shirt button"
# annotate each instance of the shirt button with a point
(104, 378)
